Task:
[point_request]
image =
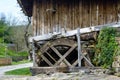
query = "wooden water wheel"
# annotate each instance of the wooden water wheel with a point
(60, 52)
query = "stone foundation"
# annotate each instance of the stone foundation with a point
(116, 64)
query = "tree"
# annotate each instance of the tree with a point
(3, 27)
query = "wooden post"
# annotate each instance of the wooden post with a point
(33, 55)
(79, 47)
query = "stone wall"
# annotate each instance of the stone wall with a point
(116, 63)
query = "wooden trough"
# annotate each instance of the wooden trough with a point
(63, 31)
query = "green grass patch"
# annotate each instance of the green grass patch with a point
(22, 71)
(2, 56)
(20, 62)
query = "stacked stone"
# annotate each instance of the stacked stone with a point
(116, 63)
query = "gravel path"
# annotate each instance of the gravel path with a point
(12, 67)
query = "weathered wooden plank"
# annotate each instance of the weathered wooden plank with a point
(94, 19)
(34, 54)
(88, 61)
(46, 60)
(68, 15)
(79, 47)
(73, 32)
(80, 14)
(34, 18)
(71, 14)
(105, 12)
(56, 16)
(37, 18)
(45, 16)
(100, 14)
(38, 14)
(109, 11)
(51, 57)
(83, 14)
(88, 12)
(75, 13)
(75, 63)
(118, 10)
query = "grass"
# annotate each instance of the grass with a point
(2, 56)
(20, 62)
(22, 71)
(10, 53)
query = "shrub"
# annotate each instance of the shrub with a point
(16, 56)
(105, 48)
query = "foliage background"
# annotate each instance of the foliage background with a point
(12, 34)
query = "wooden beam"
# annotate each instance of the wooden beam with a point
(50, 56)
(46, 60)
(88, 61)
(79, 47)
(33, 55)
(75, 63)
(73, 32)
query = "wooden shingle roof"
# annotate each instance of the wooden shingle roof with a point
(27, 6)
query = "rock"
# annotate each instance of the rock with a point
(116, 62)
(109, 72)
(42, 75)
(58, 75)
(81, 72)
(87, 71)
(98, 71)
(117, 74)
(117, 69)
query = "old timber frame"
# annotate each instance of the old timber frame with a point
(63, 30)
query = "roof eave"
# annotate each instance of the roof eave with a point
(26, 6)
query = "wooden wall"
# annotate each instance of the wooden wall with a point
(52, 15)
